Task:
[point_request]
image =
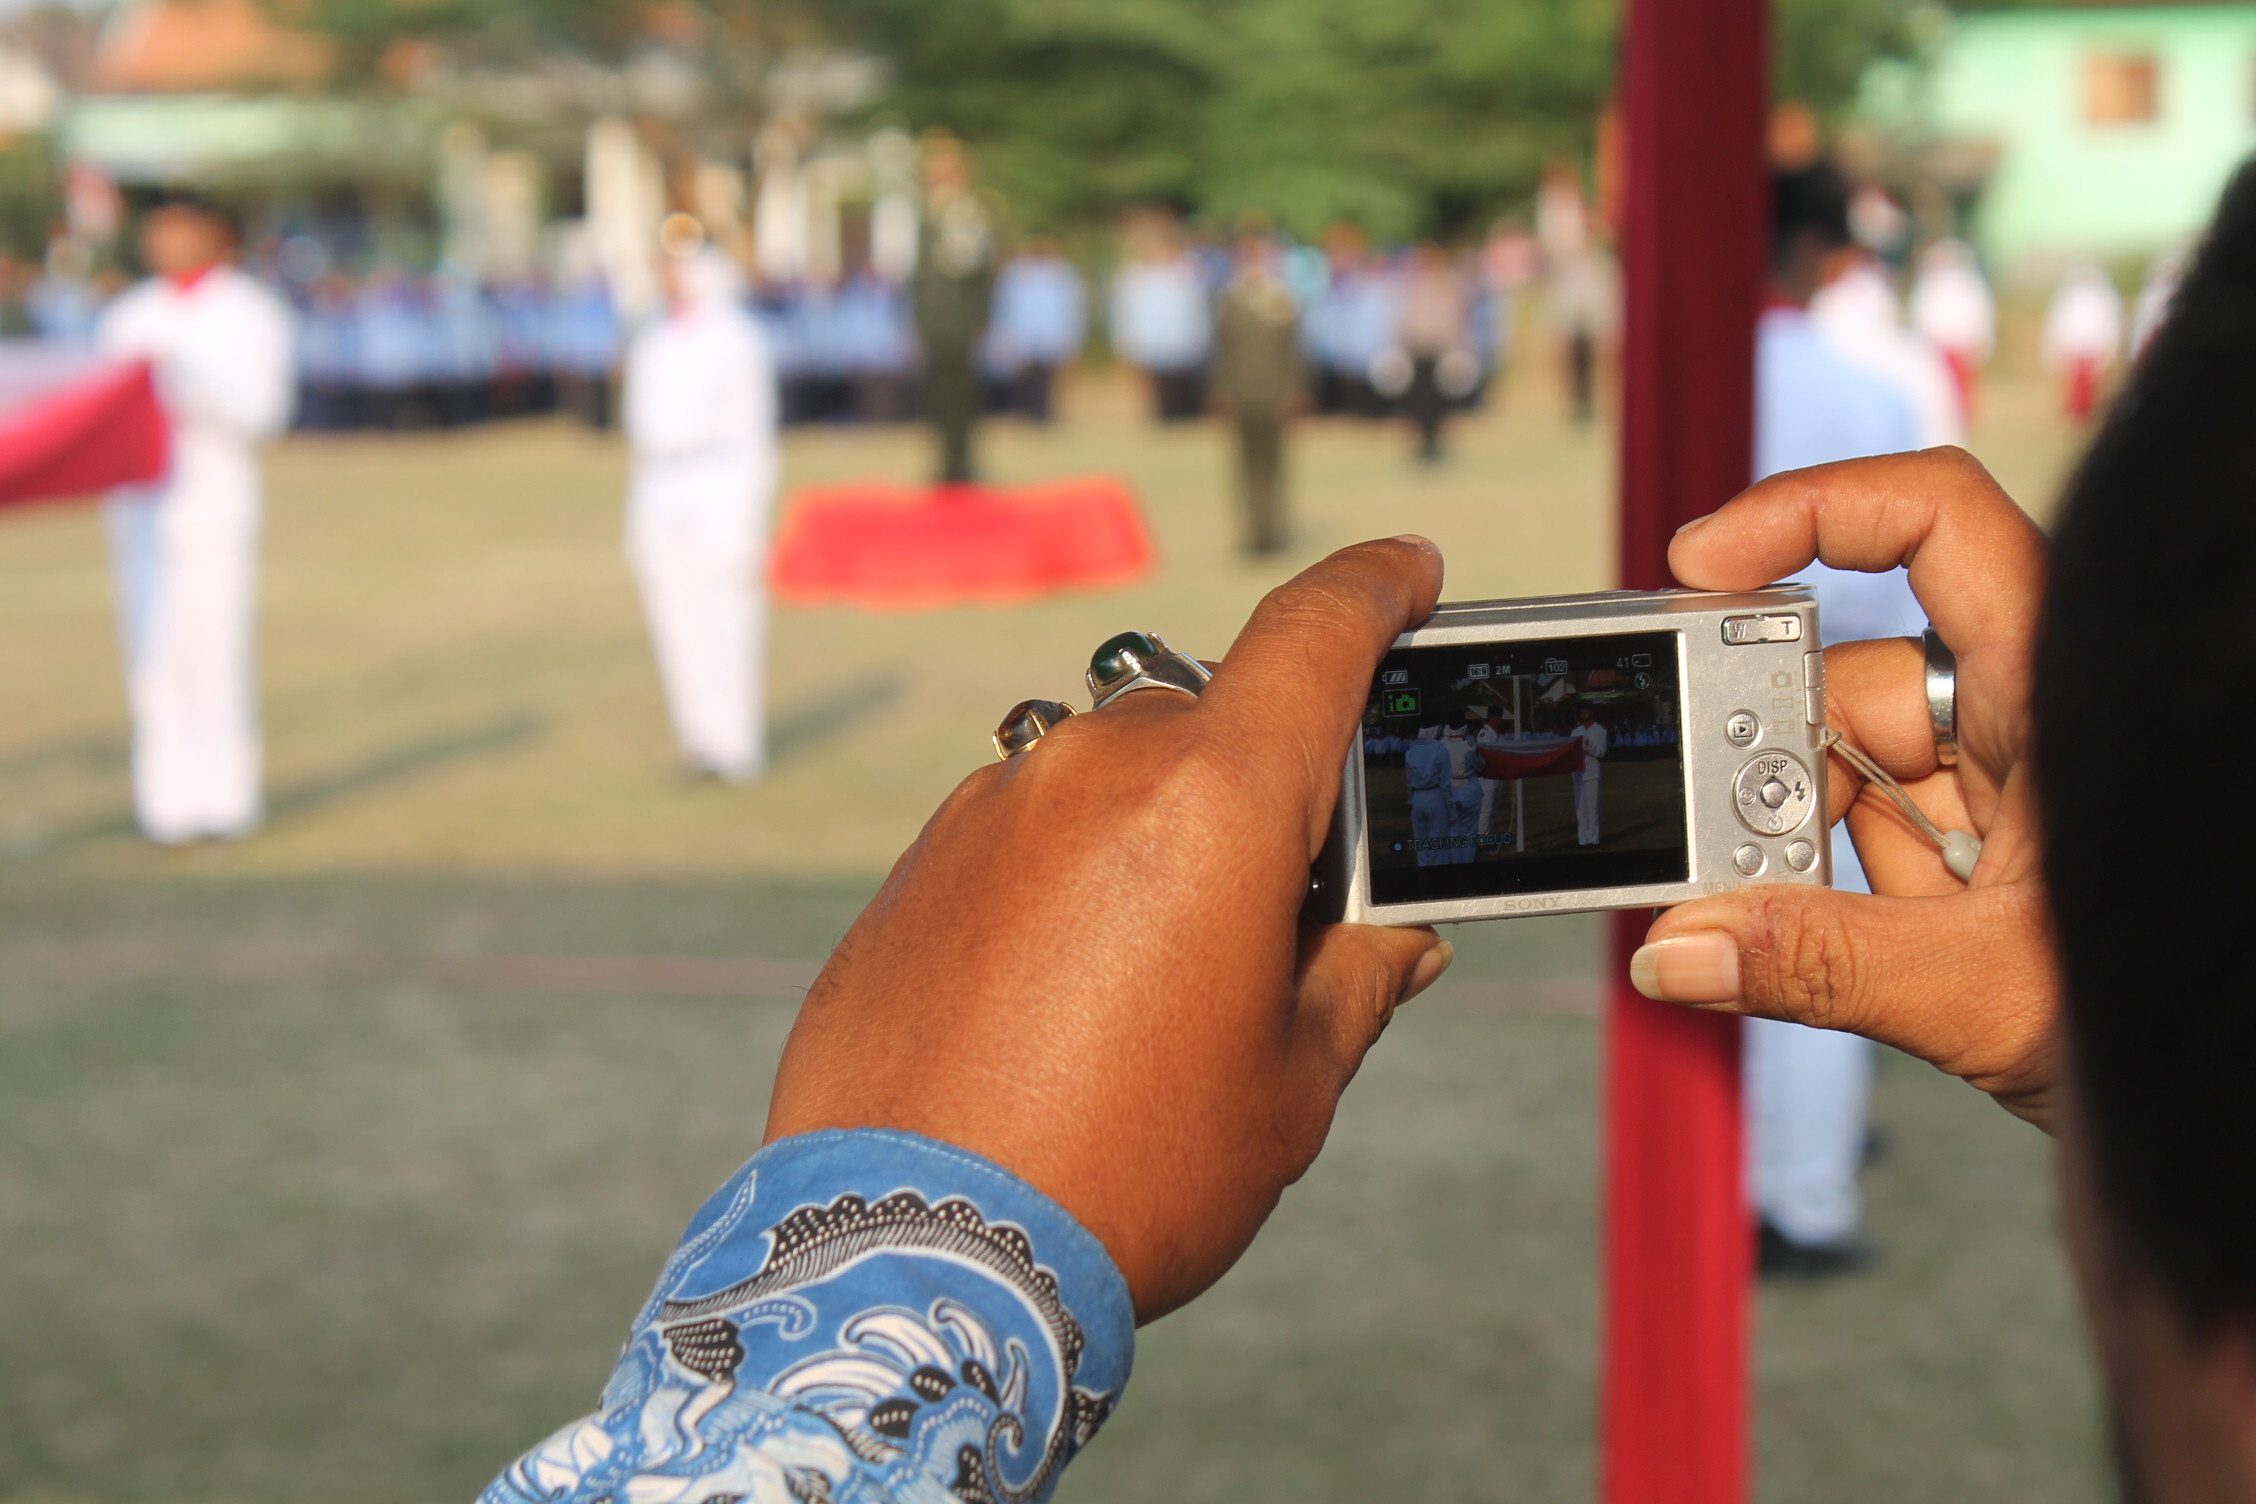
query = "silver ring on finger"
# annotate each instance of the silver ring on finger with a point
(1141, 660)
(1942, 695)
(1027, 723)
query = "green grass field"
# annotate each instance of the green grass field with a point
(333, 1164)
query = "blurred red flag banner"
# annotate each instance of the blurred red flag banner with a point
(886, 547)
(75, 424)
(1533, 757)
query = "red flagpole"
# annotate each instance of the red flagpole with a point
(1673, 1409)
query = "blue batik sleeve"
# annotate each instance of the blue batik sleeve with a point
(855, 1317)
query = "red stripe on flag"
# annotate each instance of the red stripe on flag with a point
(1556, 762)
(102, 430)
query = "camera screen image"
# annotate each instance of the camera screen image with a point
(1525, 767)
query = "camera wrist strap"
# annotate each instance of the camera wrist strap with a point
(1961, 849)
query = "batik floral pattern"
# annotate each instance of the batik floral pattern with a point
(855, 1317)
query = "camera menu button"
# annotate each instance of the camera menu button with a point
(1748, 860)
(1742, 729)
(1773, 794)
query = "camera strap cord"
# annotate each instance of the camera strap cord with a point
(1961, 849)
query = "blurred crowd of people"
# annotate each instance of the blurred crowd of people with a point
(1382, 332)
(1864, 349)
(1368, 319)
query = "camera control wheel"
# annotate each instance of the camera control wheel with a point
(1773, 794)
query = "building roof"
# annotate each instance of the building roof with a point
(2078, 7)
(190, 46)
(2079, 11)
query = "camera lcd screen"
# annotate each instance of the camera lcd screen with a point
(1535, 766)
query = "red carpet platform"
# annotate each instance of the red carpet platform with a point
(74, 425)
(885, 547)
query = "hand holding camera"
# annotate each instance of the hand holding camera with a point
(1091, 968)
(1959, 974)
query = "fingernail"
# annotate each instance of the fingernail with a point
(1418, 540)
(1701, 967)
(1429, 968)
(1689, 526)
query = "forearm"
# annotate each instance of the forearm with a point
(904, 1319)
(249, 397)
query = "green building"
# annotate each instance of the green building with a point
(2089, 130)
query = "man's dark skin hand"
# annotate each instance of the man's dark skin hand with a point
(1090, 967)
(1959, 974)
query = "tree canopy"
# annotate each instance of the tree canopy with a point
(1410, 116)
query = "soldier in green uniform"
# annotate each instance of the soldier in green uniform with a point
(955, 279)
(1257, 379)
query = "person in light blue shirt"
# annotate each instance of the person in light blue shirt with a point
(523, 381)
(465, 349)
(1430, 773)
(1351, 325)
(1040, 318)
(391, 348)
(878, 347)
(584, 345)
(62, 303)
(820, 334)
(1163, 322)
(328, 363)
(1808, 1090)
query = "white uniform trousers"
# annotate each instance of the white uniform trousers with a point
(1491, 790)
(695, 546)
(1586, 806)
(1808, 1091)
(186, 560)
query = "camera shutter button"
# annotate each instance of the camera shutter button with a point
(1773, 794)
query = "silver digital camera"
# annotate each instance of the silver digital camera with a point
(1623, 750)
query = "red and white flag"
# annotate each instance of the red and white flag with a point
(74, 423)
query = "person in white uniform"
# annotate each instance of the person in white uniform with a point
(700, 415)
(1490, 733)
(1859, 316)
(185, 547)
(2083, 334)
(1952, 306)
(1592, 736)
(1809, 1090)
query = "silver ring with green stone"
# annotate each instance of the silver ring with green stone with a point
(1141, 660)
(1028, 722)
